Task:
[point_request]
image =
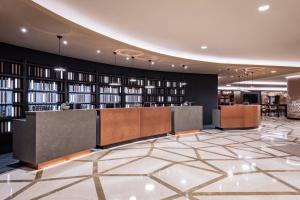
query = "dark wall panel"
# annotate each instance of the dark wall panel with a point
(201, 88)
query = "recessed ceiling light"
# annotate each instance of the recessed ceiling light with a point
(204, 47)
(231, 76)
(127, 58)
(263, 8)
(185, 66)
(98, 51)
(152, 63)
(273, 72)
(172, 65)
(23, 30)
(65, 42)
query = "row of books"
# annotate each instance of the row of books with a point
(108, 98)
(133, 98)
(10, 111)
(128, 90)
(174, 84)
(130, 105)
(42, 86)
(82, 88)
(6, 97)
(174, 99)
(37, 71)
(10, 97)
(109, 79)
(11, 68)
(81, 98)
(175, 91)
(84, 77)
(109, 89)
(43, 97)
(159, 99)
(10, 83)
(137, 82)
(5, 127)
(153, 91)
(156, 83)
(43, 107)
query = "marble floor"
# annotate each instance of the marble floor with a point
(210, 165)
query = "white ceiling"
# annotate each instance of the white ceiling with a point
(234, 31)
(179, 27)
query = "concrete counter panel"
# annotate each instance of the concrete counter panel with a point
(45, 136)
(187, 118)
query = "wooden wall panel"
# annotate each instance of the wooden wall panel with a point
(155, 121)
(240, 116)
(118, 125)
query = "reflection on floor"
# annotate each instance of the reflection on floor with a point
(211, 165)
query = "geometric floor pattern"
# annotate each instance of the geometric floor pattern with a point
(210, 165)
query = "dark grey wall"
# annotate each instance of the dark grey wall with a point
(201, 88)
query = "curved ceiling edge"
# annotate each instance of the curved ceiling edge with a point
(103, 30)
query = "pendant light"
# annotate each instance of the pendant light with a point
(115, 81)
(59, 68)
(184, 83)
(149, 86)
(132, 79)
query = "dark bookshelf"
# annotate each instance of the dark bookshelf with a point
(81, 89)
(110, 91)
(45, 88)
(11, 100)
(154, 96)
(133, 92)
(175, 93)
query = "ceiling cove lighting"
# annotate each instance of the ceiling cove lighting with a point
(253, 88)
(23, 30)
(68, 13)
(263, 8)
(59, 68)
(278, 83)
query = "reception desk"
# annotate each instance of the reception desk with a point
(237, 117)
(117, 125)
(186, 119)
(49, 137)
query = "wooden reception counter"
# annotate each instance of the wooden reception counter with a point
(237, 117)
(118, 125)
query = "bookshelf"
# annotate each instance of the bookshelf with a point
(45, 88)
(175, 92)
(11, 94)
(133, 92)
(110, 93)
(155, 96)
(81, 89)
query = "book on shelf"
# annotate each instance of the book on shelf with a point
(110, 89)
(131, 105)
(43, 107)
(11, 68)
(81, 98)
(43, 98)
(5, 127)
(110, 98)
(42, 86)
(129, 90)
(81, 88)
(104, 79)
(83, 77)
(40, 72)
(133, 98)
(10, 111)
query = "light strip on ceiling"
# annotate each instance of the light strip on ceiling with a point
(261, 83)
(63, 9)
(253, 88)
